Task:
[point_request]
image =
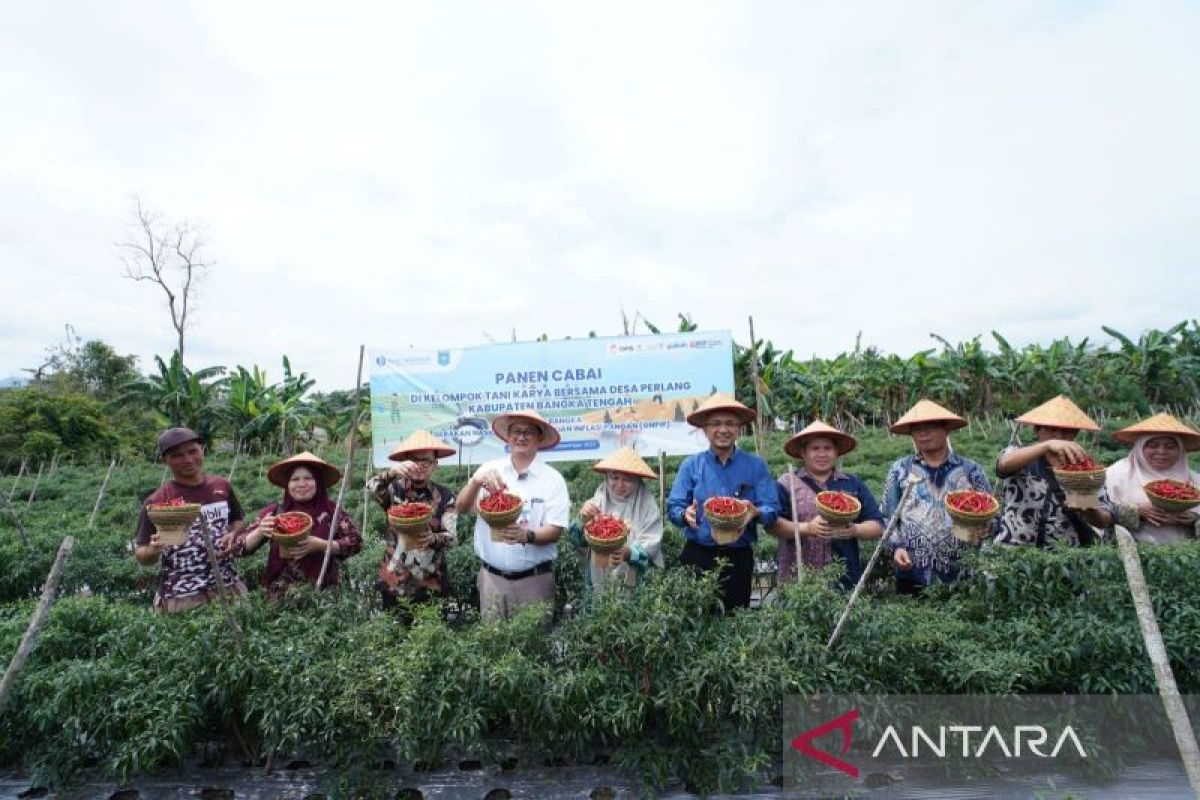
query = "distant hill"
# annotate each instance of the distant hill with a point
(12, 380)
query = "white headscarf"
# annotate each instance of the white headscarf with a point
(1126, 477)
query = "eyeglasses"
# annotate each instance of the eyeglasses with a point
(726, 423)
(522, 433)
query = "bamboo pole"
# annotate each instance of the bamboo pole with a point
(862, 579)
(16, 518)
(29, 640)
(1181, 726)
(366, 499)
(233, 467)
(222, 592)
(758, 418)
(92, 519)
(337, 509)
(33, 491)
(662, 483)
(53, 463)
(796, 526)
(16, 480)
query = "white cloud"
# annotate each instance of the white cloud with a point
(429, 175)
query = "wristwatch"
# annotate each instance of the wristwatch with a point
(530, 536)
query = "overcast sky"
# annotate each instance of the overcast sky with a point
(435, 174)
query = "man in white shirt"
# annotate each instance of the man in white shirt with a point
(519, 570)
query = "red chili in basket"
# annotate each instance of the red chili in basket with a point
(724, 506)
(1086, 465)
(174, 501)
(501, 501)
(409, 510)
(1173, 490)
(971, 502)
(837, 501)
(606, 526)
(290, 523)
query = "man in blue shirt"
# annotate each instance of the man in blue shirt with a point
(722, 471)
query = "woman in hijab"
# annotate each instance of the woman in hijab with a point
(622, 494)
(1158, 451)
(819, 446)
(305, 480)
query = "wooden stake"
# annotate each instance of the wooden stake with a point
(17, 479)
(53, 462)
(862, 579)
(337, 509)
(662, 483)
(29, 640)
(33, 491)
(92, 519)
(758, 416)
(233, 467)
(16, 518)
(796, 527)
(222, 592)
(1181, 726)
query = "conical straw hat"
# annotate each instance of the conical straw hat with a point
(844, 442)
(1160, 424)
(418, 441)
(502, 422)
(278, 472)
(719, 402)
(927, 411)
(1059, 413)
(627, 461)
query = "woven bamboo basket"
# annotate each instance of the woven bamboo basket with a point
(1170, 505)
(968, 526)
(840, 521)
(289, 541)
(726, 528)
(1082, 488)
(172, 522)
(499, 520)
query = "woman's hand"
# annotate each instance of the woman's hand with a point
(306, 548)
(618, 557)
(900, 559)
(589, 509)
(1149, 513)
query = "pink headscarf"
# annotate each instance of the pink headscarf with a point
(1126, 477)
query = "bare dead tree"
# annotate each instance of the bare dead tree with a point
(169, 255)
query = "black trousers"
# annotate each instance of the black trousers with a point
(735, 579)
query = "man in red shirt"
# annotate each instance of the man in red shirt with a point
(186, 578)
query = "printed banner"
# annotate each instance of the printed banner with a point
(601, 393)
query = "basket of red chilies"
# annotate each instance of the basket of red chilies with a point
(971, 513)
(1173, 497)
(1081, 481)
(499, 510)
(725, 516)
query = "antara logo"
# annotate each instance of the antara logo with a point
(953, 739)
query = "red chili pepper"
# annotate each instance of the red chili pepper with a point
(1085, 465)
(605, 526)
(501, 501)
(1173, 490)
(174, 501)
(725, 506)
(409, 510)
(971, 502)
(290, 523)
(842, 502)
